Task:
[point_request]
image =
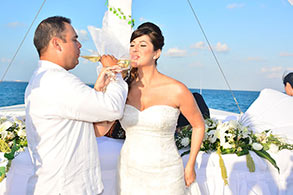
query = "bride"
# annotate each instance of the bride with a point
(149, 162)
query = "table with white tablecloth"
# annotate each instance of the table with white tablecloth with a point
(265, 179)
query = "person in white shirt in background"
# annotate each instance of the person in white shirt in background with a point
(61, 110)
(288, 82)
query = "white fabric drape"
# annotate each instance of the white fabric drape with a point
(271, 110)
(114, 36)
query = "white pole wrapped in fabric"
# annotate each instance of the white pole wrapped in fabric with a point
(113, 38)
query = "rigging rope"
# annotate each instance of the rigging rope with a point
(215, 57)
(22, 41)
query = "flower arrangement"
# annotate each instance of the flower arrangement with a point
(12, 141)
(231, 137)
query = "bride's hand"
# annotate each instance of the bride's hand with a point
(189, 175)
(106, 75)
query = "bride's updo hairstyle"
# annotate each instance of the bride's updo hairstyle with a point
(156, 37)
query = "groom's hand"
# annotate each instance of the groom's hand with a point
(106, 75)
(108, 60)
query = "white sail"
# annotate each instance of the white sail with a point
(291, 2)
(113, 38)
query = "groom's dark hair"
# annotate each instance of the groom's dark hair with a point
(48, 28)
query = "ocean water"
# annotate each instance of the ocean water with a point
(12, 93)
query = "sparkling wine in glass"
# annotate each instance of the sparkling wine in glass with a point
(92, 58)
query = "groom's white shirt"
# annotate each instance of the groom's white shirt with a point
(60, 111)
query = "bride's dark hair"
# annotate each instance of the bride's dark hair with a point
(156, 37)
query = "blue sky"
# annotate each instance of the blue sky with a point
(252, 39)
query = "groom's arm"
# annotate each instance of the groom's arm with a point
(77, 101)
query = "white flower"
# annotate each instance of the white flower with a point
(226, 145)
(274, 148)
(3, 160)
(212, 136)
(210, 123)
(21, 133)
(244, 131)
(222, 140)
(6, 125)
(261, 137)
(221, 132)
(4, 134)
(185, 141)
(257, 146)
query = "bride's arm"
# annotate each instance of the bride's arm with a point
(101, 128)
(190, 110)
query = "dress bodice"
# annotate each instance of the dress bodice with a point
(150, 135)
(157, 120)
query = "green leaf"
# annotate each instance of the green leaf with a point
(265, 155)
(266, 147)
(250, 163)
(243, 152)
(14, 148)
(228, 151)
(2, 171)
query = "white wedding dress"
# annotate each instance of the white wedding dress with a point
(149, 162)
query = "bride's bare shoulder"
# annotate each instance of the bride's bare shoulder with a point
(176, 85)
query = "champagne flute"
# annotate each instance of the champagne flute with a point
(124, 63)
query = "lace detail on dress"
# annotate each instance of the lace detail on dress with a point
(159, 118)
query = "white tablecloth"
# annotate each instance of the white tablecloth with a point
(265, 180)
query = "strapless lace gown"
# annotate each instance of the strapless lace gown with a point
(149, 161)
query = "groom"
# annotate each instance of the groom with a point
(60, 111)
